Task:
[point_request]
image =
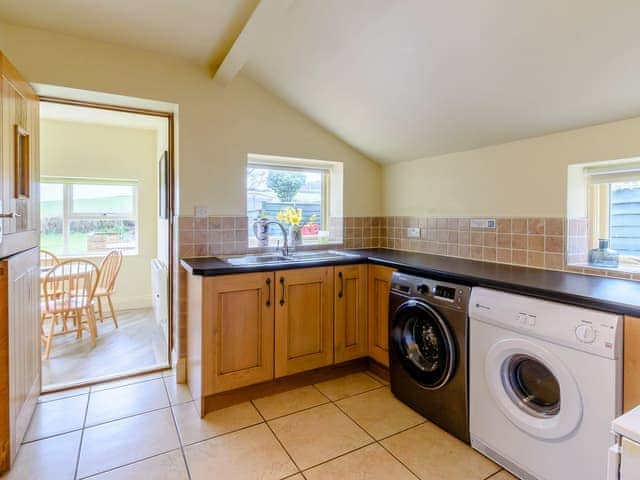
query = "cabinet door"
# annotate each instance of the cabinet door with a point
(631, 362)
(20, 161)
(237, 331)
(378, 312)
(304, 320)
(350, 315)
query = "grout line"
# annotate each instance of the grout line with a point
(111, 469)
(339, 456)
(84, 422)
(306, 409)
(175, 425)
(299, 470)
(126, 417)
(500, 469)
(398, 460)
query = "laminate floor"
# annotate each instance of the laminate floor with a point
(352, 428)
(138, 343)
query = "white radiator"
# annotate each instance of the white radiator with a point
(159, 293)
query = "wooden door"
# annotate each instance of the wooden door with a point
(631, 363)
(20, 162)
(19, 349)
(237, 331)
(379, 285)
(350, 312)
(304, 320)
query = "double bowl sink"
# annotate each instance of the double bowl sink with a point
(298, 257)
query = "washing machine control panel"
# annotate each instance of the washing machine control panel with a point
(436, 292)
(592, 331)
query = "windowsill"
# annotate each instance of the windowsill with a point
(70, 256)
(624, 268)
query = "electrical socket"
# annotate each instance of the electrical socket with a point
(483, 223)
(201, 212)
(413, 232)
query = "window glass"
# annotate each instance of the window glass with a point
(88, 218)
(289, 195)
(624, 217)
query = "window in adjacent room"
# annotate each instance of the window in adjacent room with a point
(88, 216)
(293, 192)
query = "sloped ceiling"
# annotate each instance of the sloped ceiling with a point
(398, 79)
(405, 79)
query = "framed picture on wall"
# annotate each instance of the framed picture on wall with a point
(163, 185)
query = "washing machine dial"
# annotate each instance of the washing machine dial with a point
(423, 289)
(585, 333)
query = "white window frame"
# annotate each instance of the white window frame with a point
(331, 189)
(68, 215)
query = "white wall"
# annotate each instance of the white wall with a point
(523, 178)
(217, 126)
(74, 149)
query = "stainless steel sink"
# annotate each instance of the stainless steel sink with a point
(256, 260)
(267, 259)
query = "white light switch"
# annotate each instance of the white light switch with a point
(201, 212)
(413, 232)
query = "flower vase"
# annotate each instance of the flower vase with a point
(295, 236)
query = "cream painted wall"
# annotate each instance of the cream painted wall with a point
(523, 178)
(217, 126)
(78, 150)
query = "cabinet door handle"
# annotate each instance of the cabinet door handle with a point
(341, 292)
(10, 215)
(268, 292)
(282, 285)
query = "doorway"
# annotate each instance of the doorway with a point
(106, 199)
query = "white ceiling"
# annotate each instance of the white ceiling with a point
(199, 30)
(97, 116)
(403, 79)
(399, 79)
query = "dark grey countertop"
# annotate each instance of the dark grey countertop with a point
(608, 294)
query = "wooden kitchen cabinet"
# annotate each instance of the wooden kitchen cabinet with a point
(235, 345)
(379, 283)
(350, 312)
(303, 320)
(631, 363)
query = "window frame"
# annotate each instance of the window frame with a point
(68, 215)
(302, 167)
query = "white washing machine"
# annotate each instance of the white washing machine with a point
(545, 383)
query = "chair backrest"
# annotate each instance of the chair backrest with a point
(48, 259)
(109, 269)
(72, 282)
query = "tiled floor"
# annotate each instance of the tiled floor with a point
(138, 343)
(149, 428)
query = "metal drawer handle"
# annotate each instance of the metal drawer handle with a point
(341, 292)
(282, 298)
(268, 292)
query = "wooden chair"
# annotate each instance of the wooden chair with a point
(109, 269)
(48, 259)
(69, 292)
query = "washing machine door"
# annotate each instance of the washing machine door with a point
(424, 344)
(533, 388)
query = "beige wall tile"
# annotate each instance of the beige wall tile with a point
(489, 239)
(535, 259)
(535, 226)
(519, 225)
(519, 242)
(504, 240)
(503, 255)
(553, 244)
(554, 226)
(519, 257)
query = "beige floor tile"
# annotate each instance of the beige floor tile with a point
(72, 392)
(370, 463)
(37, 460)
(168, 466)
(433, 454)
(297, 476)
(126, 381)
(107, 405)
(376, 377)
(252, 453)
(58, 416)
(289, 402)
(193, 429)
(380, 413)
(178, 392)
(502, 475)
(319, 434)
(346, 386)
(125, 441)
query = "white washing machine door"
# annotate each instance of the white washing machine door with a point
(533, 388)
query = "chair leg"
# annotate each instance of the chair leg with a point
(91, 322)
(113, 311)
(99, 300)
(47, 350)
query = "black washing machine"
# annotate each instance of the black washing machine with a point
(428, 327)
